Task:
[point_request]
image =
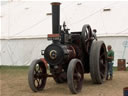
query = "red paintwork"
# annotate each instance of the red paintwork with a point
(45, 62)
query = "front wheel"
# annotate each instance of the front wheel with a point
(37, 75)
(75, 75)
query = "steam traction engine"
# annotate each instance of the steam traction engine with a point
(69, 56)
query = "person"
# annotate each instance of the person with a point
(110, 59)
(94, 33)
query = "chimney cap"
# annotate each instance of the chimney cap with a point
(55, 3)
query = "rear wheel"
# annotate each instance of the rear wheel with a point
(75, 75)
(37, 75)
(98, 63)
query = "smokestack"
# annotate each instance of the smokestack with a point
(55, 17)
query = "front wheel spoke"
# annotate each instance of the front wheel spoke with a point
(77, 76)
(35, 72)
(38, 83)
(35, 76)
(78, 69)
(75, 84)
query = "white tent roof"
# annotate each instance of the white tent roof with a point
(29, 19)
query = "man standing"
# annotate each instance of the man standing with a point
(110, 58)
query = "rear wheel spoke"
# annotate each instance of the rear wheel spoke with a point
(102, 55)
(102, 65)
(101, 74)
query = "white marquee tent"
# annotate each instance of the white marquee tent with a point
(25, 25)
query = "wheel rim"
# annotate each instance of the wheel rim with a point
(39, 75)
(77, 77)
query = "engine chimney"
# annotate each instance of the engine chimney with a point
(55, 17)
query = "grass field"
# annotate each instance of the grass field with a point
(14, 82)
